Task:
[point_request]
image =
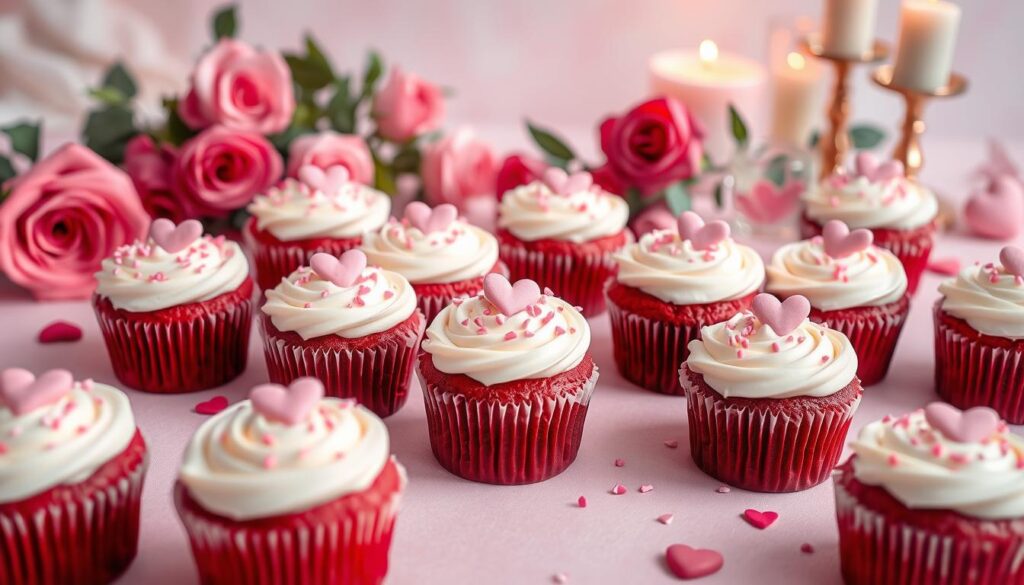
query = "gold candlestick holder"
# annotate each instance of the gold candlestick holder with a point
(908, 149)
(835, 142)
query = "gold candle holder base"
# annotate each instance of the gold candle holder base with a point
(908, 149)
(835, 142)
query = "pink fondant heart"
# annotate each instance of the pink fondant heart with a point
(759, 519)
(782, 317)
(329, 181)
(766, 203)
(342, 271)
(867, 165)
(60, 332)
(22, 392)
(963, 426)
(289, 405)
(840, 242)
(702, 236)
(687, 562)
(427, 220)
(565, 184)
(1012, 259)
(173, 238)
(995, 212)
(510, 298)
(212, 406)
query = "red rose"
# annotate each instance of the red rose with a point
(328, 149)
(221, 170)
(62, 218)
(151, 168)
(653, 145)
(517, 170)
(605, 178)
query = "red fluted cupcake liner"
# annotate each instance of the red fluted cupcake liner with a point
(650, 336)
(974, 369)
(432, 297)
(345, 541)
(873, 333)
(767, 444)
(912, 247)
(574, 272)
(86, 533)
(882, 542)
(179, 349)
(513, 433)
(274, 259)
(376, 370)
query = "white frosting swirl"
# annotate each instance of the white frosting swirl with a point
(314, 307)
(142, 276)
(921, 468)
(897, 203)
(989, 298)
(869, 278)
(665, 266)
(744, 358)
(534, 212)
(242, 465)
(62, 443)
(472, 337)
(460, 252)
(294, 211)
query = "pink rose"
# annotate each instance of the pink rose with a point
(655, 217)
(62, 218)
(407, 107)
(328, 149)
(151, 168)
(517, 170)
(241, 88)
(222, 170)
(653, 145)
(458, 167)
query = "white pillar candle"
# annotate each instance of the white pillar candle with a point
(927, 38)
(707, 81)
(796, 100)
(848, 28)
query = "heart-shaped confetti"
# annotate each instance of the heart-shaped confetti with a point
(60, 332)
(944, 266)
(510, 298)
(328, 182)
(342, 271)
(212, 406)
(867, 165)
(759, 519)
(21, 391)
(563, 183)
(175, 238)
(768, 203)
(963, 426)
(289, 405)
(995, 211)
(840, 242)
(702, 236)
(782, 317)
(427, 220)
(1012, 259)
(687, 562)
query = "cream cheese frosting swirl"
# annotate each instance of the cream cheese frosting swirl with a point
(989, 298)
(870, 277)
(472, 337)
(535, 212)
(665, 266)
(296, 211)
(313, 307)
(921, 468)
(896, 203)
(458, 252)
(242, 465)
(142, 276)
(63, 442)
(744, 358)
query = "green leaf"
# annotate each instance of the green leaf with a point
(706, 164)
(110, 96)
(341, 109)
(776, 170)
(108, 130)
(719, 195)
(225, 22)
(282, 141)
(24, 138)
(311, 71)
(384, 178)
(552, 145)
(6, 172)
(176, 131)
(814, 140)
(739, 127)
(407, 160)
(118, 78)
(677, 197)
(865, 136)
(372, 73)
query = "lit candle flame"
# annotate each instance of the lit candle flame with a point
(796, 61)
(708, 52)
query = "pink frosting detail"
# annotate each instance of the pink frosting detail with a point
(343, 271)
(563, 183)
(702, 236)
(867, 165)
(510, 298)
(290, 405)
(175, 238)
(782, 317)
(963, 426)
(1012, 259)
(428, 220)
(840, 242)
(21, 391)
(327, 181)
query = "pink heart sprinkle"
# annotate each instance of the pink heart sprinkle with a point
(510, 298)
(1012, 259)
(687, 562)
(944, 266)
(342, 271)
(290, 405)
(702, 236)
(758, 519)
(59, 332)
(782, 317)
(840, 242)
(427, 220)
(963, 426)
(563, 183)
(22, 392)
(868, 166)
(994, 212)
(212, 406)
(766, 203)
(173, 238)
(328, 182)
(666, 519)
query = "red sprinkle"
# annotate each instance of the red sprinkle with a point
(211, 406)
(510, 336)
(806, 548)
(666, 519)
(672, 444)
(60, 332)
(582, 502)
(646, 487)
(620, 463)
(618, 489)
(893, 460)
(758, 519)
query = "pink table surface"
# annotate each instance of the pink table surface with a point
(455, 531)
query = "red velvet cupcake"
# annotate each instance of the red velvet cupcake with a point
(979, 337)
(439, 253)
(322, 211)
(877, 196)
(71, 473)
(934, 496)
(175, 310)
(770, 397)
(507, 379)
(853, 287)
(670, 284)
(355, 328)
(290, 487)
(562, 232)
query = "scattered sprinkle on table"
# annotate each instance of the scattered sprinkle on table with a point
(759, 519)
(723, 489)
(620, 463)
(618, 489)
(672, 443)
(60, 332)
(807, 548)
(212, 406)
(582, 502)
(666, 519)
